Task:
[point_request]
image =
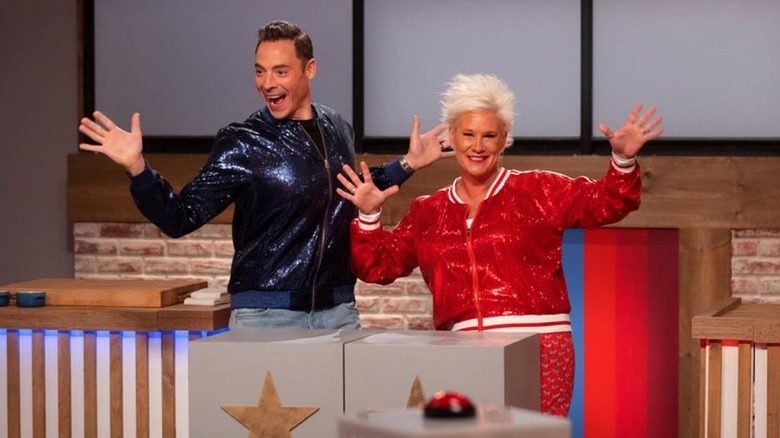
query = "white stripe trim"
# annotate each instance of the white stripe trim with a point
(155, 384)
(519, 323)
(129, 414)
(453, 193)
(181, 341)
(25, 383)
(52, 390)
(706, 388)
(760, 385)
(369, 222)
(103, 381)
(550, 172)
(76, 345)
(623, 169)
(498, 184)
(495, 186)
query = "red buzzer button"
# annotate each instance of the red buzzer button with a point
(449, 404)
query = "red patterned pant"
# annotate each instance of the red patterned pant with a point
(557, 366)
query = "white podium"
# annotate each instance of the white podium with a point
(489, 368)
(490, 422)
(349, 371)
(229, 370)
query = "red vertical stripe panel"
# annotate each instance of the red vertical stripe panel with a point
(599, 314)
(663, 315)
(631, 320)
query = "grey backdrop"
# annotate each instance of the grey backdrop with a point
(38, 119)
(188, 65)
(709, 65)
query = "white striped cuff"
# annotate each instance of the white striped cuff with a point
(519, 323)
(369, 222)
(621, 164)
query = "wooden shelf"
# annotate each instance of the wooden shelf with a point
(176, 317)
(115, 305)
(732, 319)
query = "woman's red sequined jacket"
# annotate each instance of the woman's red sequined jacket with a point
(509, 261)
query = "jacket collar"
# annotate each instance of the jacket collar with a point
(496, 187)
(265, 113)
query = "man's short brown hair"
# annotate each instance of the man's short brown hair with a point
(279, 30)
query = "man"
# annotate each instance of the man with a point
(290, 229)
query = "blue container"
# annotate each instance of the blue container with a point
(31, 298)
(5, 296)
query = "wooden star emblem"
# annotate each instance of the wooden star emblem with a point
(269, 419)
(416, 395)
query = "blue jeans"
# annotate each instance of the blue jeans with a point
(343, 316)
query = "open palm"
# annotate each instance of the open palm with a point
(629, 139)
(121, 146)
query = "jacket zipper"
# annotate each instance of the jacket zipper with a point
(473, 260)
(321, 254)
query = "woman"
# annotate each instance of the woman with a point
(489, 245)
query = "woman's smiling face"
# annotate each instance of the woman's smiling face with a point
(478, 138)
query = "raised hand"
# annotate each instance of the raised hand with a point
(425, 149)
(629, 139)
(364, 194)
(121, 146)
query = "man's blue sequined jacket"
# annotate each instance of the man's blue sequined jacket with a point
(290, 227)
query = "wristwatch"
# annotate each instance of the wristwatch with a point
(405, 165)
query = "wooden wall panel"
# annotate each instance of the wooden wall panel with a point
(142, 384)
(14, 390)
(745, 390)
(90, 385)
(38, 385)
(679, 192)
(705, 279)
(64, 385)
(31, 416)
(115, 376)
(168, 385)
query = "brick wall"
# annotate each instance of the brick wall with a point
(112, 250)
(755, 265)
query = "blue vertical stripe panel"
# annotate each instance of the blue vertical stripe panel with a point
(573, 268)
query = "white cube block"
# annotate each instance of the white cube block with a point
(229, 370)
(489, 368)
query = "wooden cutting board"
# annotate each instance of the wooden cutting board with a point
(109, 293)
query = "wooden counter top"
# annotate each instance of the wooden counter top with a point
(176, 317)
(730, 318)
(114, 305)
(109, 292)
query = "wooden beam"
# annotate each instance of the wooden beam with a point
(678, 192)
(714, 387)
(745, 390)
(65, 411)
(38, 385)
(705, 279)
(116, 402)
